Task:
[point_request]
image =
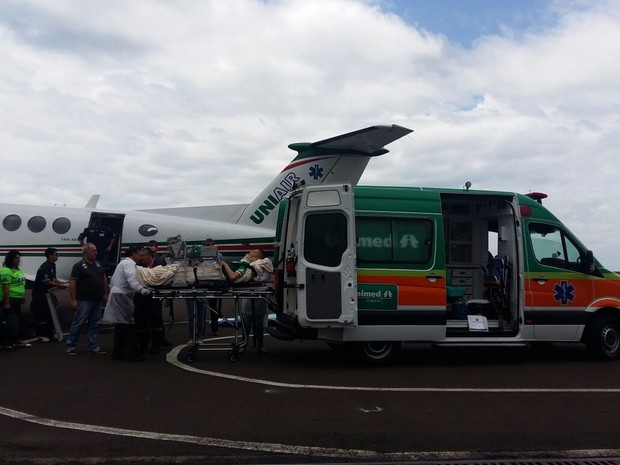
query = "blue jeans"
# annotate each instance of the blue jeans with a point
(199, 319)
(86, 310)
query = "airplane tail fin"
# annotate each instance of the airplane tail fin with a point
(92, 202)
(337, 159)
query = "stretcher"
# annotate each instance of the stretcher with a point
(217, 290)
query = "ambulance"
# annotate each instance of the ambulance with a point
(369, 268)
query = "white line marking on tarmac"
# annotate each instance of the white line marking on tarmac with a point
(315, 450)
(173, 358)
(299, 450)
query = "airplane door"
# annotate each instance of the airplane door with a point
(327, 290)
(114, 222)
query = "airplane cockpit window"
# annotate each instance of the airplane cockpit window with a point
(36, 224)
(12, 222)
(61, 225)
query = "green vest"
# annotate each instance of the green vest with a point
(16, 281)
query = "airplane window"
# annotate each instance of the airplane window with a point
(61, 225)
(37, 224)
(147, 230)
(12, 222)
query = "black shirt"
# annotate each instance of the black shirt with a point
(89, 280)
(45, 274)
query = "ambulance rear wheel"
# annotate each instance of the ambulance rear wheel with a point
(378, 353)
(603, 340)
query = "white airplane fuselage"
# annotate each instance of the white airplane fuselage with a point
(43, 227)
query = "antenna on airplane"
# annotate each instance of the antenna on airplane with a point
(467, 185)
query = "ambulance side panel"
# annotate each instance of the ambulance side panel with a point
(400, 265)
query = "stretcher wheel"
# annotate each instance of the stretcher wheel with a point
(191, 356)
(233, 356)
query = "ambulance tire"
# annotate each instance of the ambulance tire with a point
(603, 340)
(378, 353)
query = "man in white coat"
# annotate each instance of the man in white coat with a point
(119, 309)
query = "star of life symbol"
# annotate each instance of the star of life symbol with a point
(316, 172)
(564, 292)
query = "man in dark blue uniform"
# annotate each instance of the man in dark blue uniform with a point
(44, 281)
(102, 237)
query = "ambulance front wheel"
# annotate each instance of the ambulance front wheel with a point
(603, 340)
(379, 353)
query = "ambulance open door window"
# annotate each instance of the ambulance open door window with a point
(325, 238)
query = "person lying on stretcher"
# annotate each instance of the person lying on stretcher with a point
(252, 266)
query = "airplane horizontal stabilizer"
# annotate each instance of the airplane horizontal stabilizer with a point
(366, 142)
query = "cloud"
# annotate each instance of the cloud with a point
(189, 102)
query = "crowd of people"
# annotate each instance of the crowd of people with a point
(122, 301)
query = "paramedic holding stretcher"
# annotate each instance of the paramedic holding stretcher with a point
(120, 307)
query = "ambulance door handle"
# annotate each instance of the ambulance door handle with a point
(541, 280)
(433, 277)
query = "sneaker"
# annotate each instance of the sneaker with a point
(97, 351)
(22, 344)
(44, 339)
(190, 342)
(70, 351)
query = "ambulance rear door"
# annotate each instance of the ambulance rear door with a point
(326, 272)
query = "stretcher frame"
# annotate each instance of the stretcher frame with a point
(264, 291)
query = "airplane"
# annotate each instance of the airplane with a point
(235, 228)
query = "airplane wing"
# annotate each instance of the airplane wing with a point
(364, 141)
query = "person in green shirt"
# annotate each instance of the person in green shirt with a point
(13, 284)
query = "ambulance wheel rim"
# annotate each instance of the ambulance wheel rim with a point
(610, 340)
(379, 353)
(603, 341)
(377, 350)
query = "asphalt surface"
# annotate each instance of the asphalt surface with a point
(303, 403)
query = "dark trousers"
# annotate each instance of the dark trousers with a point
(253, 313)
(42, 316)
(215, 307)
(149, 322)
(125, 344)
(9, 326)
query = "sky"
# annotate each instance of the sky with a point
(181, 103)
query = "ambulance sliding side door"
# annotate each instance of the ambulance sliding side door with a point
(326, 274)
